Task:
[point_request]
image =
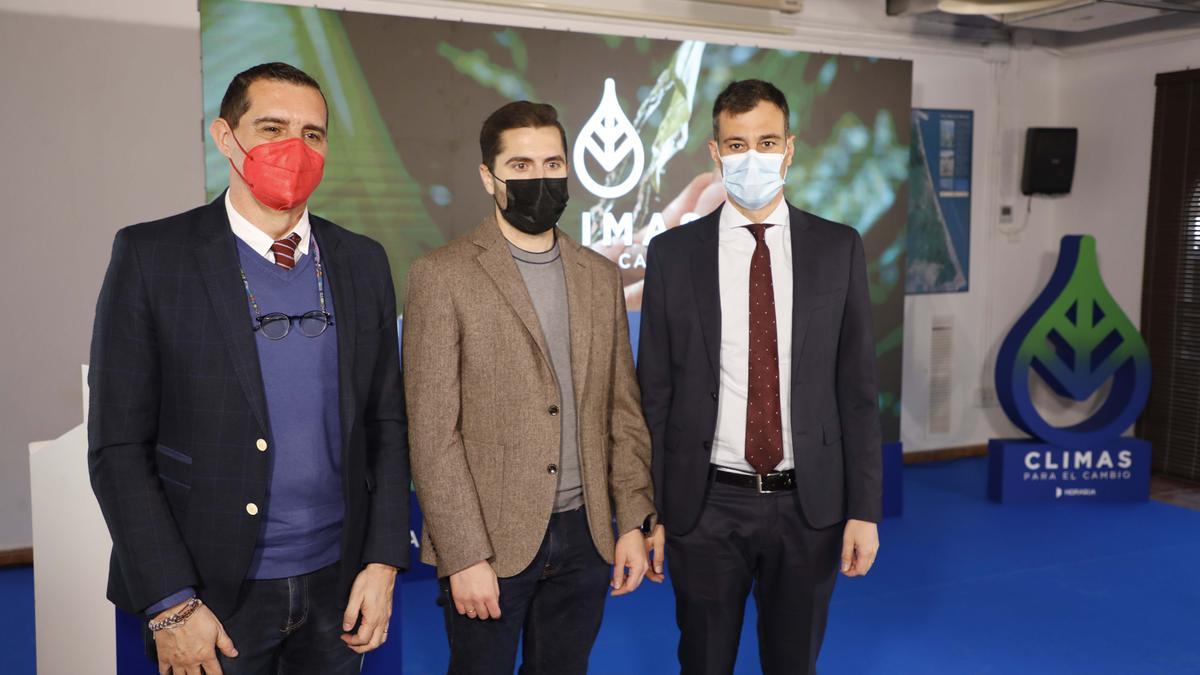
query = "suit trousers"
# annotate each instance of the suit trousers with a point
(745, 540)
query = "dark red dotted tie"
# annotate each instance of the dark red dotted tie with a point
(285, 251)
(764, 426)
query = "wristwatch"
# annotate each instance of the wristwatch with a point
(648, 525)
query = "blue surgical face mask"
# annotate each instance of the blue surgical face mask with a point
(752, 178)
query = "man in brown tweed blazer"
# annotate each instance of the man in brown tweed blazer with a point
(526, 427)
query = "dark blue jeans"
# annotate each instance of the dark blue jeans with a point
(557, 602)
(290, 626)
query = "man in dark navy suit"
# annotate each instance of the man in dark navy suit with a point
(247, 438)
(757, 369)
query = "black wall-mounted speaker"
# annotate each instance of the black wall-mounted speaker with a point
(1049, 161)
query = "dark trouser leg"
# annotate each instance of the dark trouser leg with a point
(479, 647)
(257, 628)
(712, 569)
(568, 605)
(797, 570)
(314, 646)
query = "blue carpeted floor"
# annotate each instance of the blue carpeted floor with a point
(961, 586)
(16, 621)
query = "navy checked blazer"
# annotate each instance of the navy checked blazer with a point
(178, 414)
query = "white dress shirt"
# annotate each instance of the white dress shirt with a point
(735, 247)
(260, 241)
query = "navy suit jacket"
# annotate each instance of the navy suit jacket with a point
(177, 410)
(835, 420)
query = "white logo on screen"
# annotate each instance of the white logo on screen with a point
(609, 137)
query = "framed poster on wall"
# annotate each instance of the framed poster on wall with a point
(939, 202)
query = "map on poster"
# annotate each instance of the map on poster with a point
(939, 204)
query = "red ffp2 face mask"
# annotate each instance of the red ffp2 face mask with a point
(281, 174)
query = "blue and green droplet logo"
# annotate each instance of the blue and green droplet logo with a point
(1075, 337)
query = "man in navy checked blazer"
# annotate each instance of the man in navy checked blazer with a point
(247, 438)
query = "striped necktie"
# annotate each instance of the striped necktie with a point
(285, 251)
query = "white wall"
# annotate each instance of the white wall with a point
(103, 124)
(1108, 92)
(1109, 95)
(109, 133)
(1008, 90)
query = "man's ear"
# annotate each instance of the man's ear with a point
(714, 152)
(485, 177)
(221, 132)
(791, 150)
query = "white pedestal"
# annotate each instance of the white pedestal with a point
(75, 628)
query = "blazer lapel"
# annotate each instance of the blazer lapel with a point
(579, 306)
(706, 283)
(805, 259)
(336, 261)
(497, 262)
(216, 253)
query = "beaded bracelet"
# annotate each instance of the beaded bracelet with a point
(178, 617)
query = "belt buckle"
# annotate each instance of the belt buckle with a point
(758, 481)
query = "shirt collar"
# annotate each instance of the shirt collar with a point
(731, 217)
(260, 241)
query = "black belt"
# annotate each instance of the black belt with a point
(776, 481)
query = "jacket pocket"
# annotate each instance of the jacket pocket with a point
(174, 466)
(174, 454)
(175, 476)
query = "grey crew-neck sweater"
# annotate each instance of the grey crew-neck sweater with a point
(547, 285)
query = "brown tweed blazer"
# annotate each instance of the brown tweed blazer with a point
(480, 392)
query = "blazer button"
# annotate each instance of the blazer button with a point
(553, 410)
(713, 394)
(552, 469)
(261, 444)
(252, 509)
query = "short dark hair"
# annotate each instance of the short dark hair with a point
(743, 96)
(236, 101)
(516, 115)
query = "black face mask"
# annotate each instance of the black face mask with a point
(534, 204)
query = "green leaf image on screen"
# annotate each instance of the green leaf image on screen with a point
(407, 97)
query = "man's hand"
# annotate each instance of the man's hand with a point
(656, 552)
(629, 562)
(186, 648)
(370, 598)
(476, 591)
(860, 544)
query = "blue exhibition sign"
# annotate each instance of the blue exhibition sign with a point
(1032, 471)
(1076, 339)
